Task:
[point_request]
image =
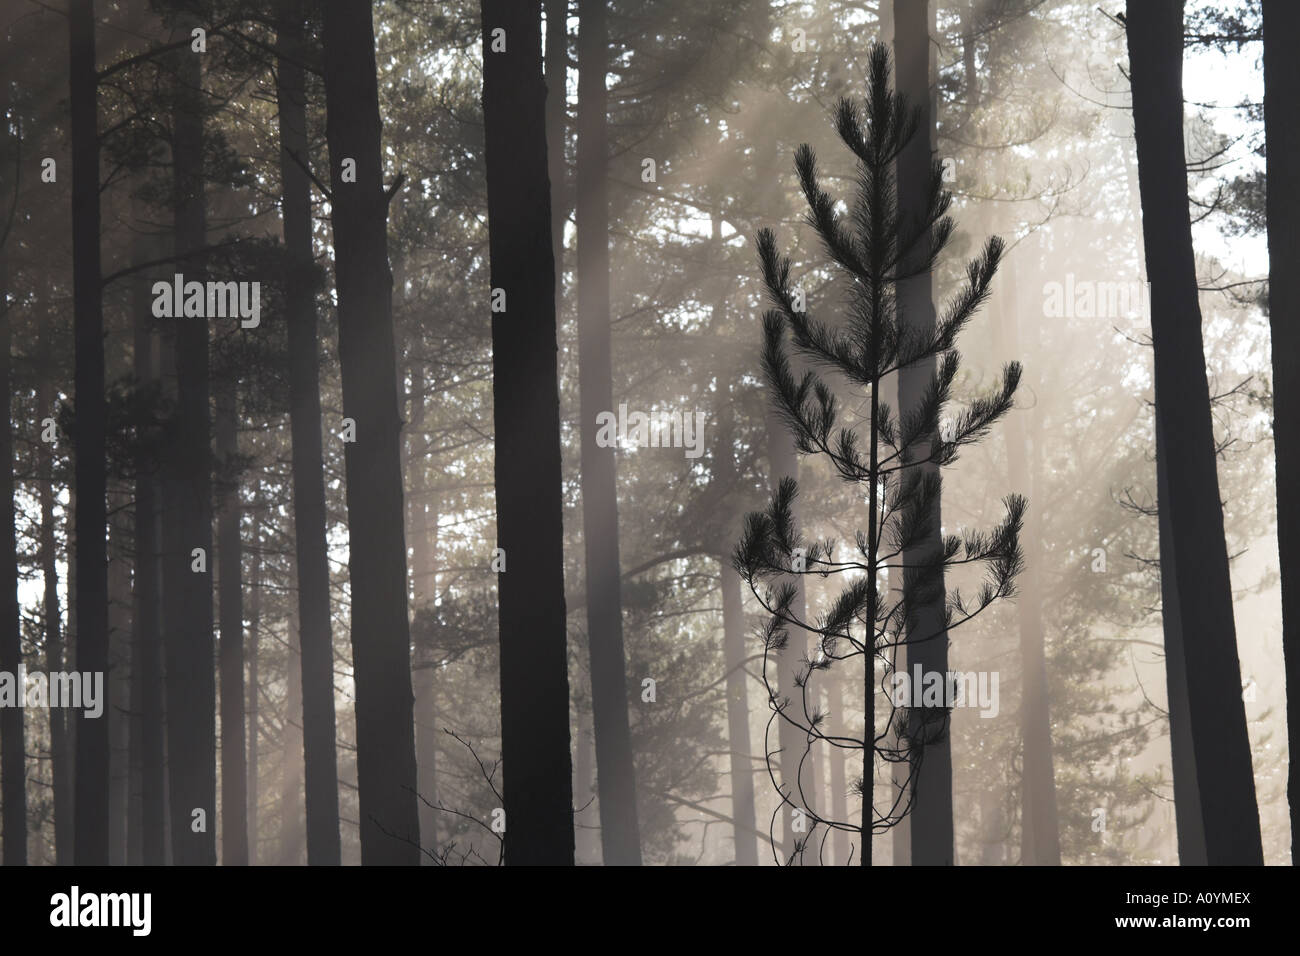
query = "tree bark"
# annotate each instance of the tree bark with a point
(320, 757)
(1281, 89)
(615, 777)
(146, 654)
(1195, 517)
(931, 823)
(188, 633)
(537, 766)
(386, 774)
(90, 846)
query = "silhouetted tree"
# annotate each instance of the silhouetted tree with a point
(320, 759)
(537, 768)
(874, 246)
(1201, 584)
(1281, 89)
(386, 774)
(90, 836)
(615, 782)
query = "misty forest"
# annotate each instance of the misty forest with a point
(754, 432)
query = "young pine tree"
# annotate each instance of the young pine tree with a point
(895, 457)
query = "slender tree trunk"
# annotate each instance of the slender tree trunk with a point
(931, 823)
(743, 814)
(1195, 516)
(60, 755)
(13, 765)
(527, 472)
(119, 675)
(253, 708)
(146, 655)
(615, 778)
(386, 774)
(424, 575)
(320, 757)
(1281, 89)
(742, 765)
(234, 766)
(91, 596)
(1040, 827)
(291, 750)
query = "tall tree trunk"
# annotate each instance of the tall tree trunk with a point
(60, 755)
(253, 706)
(386, 774)
(230, 554)
(1281, 89)
(740, 744)
(1189, 820)
(320, 757)
(615, 779)
(931, 823)
(91, 596)
(291, 749)
(188, 633)
(1040, 827)
(742, 766)
(146, 655)
(538, 788)
(424, 586)
(13, 765)
(1218, 718)
(119, 675)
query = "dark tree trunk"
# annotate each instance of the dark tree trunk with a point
(615, 779)
(386, 774)
(536, 762)
(188, 634)
(90, 838)
(230, 553)
(320, 757)
(146, 655)
(1195, 517)
(931, 816)
(1189, 822)
(1281, 89)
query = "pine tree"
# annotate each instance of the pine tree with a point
(874, 247)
